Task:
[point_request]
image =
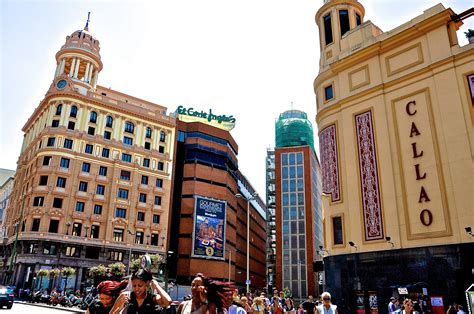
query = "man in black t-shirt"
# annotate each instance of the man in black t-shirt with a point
(309, 305)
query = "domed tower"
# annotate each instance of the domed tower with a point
(293, 129)
(79, 59)
(336, 18)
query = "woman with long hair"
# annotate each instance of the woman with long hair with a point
(208, 296)
(139, 300)
(108, 292)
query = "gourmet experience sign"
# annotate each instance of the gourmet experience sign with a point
(191, 115)
(209, 228)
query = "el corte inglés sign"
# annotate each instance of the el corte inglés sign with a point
(191, 115)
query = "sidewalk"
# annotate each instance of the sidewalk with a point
(57, 307)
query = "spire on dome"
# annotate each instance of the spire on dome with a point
(86, 28)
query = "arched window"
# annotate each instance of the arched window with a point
(73, 113)
(59, 109)
(148, 132)
(93, 117)
(109, 121)
(129, 127)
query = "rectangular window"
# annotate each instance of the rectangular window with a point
(148, 133)
(89, 148)
(43, 180)
(358, 19)
(161, 149)
(158, 200)
(141, 216)
(46, 160)
(71, 125)
(154, 239)
(73, 251)
(64, 163)
(122, 193)
(156, 219)
(83, 186)
(100, 189)
(146, 162)
(61, 182)
(118, 235)
(50, 249)
(86, 167)
(95, 231)
(107, 135)
(53, 226)
(32, 248)
(181, 136)
(68, 143)
(76, 229)
(120, 212)
(91, 130)
(144, 180)
(337, 230)
(126, 157)
(161, 165)
(147, 145)
(55, 124)
(92, 252)
(102, 171)
(38, 201)
(57, 202)
(97, 209)
(159, 183)
(327, 29)
(116, 256)
(344, 21)
(142, 198)
(51, 141)
(162, 136)
(105, 152)
(328, 93)
(80, 207)
(127, 140)
(139, 237)
(35, 225)
(125, 175)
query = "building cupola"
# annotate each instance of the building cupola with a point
(334, 19)
(79, 58)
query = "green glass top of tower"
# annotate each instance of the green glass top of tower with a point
(293, 129)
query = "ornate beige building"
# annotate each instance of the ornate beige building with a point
(94, 176)
(395, 115)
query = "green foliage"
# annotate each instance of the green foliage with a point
(54, 272)
(68, 271)
(43, 273)
(469, 33)
(287, 292)
(156, 260)
(117, 269)
(97, 271)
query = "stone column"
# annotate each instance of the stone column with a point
(91, 70)
(86, 74)
(73, 64)
(76, 70)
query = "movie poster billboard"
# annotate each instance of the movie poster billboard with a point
(209, 228)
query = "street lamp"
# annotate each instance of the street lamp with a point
(130, 252)
(168, 255)
(251, 197)
(230, 260)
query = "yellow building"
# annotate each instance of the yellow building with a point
(395, 115)
(94, 175)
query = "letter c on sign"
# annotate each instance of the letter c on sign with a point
(426, 217)
(410, 113)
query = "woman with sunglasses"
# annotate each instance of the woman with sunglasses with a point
(327, 307)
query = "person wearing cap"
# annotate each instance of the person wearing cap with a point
(391, 305)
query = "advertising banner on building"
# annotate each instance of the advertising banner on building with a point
(209, 228)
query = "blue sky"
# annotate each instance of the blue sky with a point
(249, 59)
